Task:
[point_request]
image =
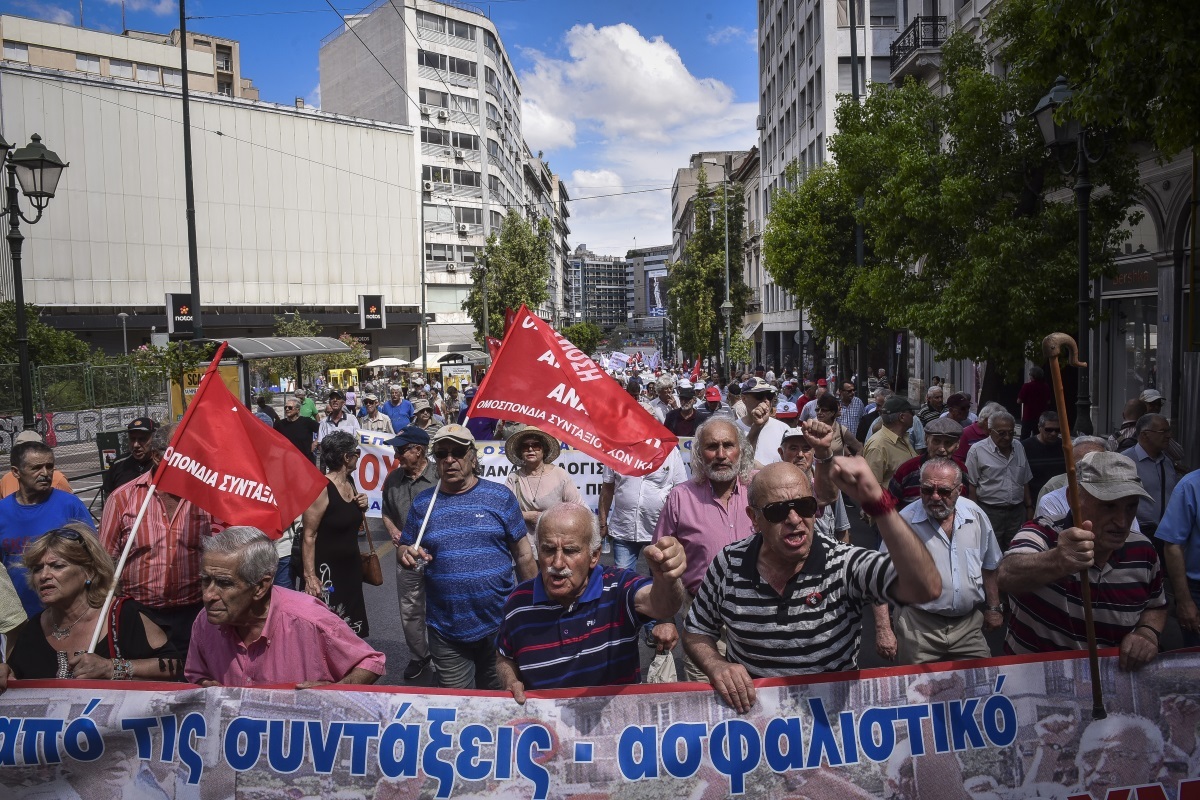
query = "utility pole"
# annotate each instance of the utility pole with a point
(861, 350)
(189, 191)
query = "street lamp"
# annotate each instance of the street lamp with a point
(1059, 136)
(38, 171)
(124, 333)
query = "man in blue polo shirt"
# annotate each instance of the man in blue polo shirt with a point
(576, 623)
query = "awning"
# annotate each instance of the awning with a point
(472, 357)
(387, 361)
(286, 346)
(748, 331)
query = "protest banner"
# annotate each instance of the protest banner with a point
(996, 728)
(378, 459)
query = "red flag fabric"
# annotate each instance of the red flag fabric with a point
(541, 379)
(225, 460)
(696, 371)
(493, 346)
(509, 316)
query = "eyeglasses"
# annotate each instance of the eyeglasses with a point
(459, 451)
(289, 408)
(66, 533)
(1003, 434)
(778, 512)
(944, 491)
(1114, 756)
(532, 444)
(1052, 430)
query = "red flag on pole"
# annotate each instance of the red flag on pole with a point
(541, 379)
(493, 346)
(229, 463)
(696, 371)
(509, 316)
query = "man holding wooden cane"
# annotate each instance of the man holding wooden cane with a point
(1042, 567)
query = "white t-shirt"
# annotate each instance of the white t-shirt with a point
(769, 440)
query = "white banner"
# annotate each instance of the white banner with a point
(378, 459)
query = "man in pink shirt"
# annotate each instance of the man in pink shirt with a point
(707, 512)
(253, 633)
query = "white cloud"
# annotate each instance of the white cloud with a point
(732, 33)
(314, 97)
(625, 112)
(47, 11)
(157, 7)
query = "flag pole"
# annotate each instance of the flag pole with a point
(112, 590)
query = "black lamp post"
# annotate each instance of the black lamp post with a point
(1059, 136)
(38, 171)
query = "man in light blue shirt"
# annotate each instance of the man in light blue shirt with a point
(1153, 433)
(1179, 532)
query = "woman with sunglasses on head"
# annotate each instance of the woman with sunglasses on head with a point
(844, 443)
(332, 564)
(538, 482)
(72, 574)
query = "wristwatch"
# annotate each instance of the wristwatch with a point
(997, 609)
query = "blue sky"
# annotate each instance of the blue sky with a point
(617, 93)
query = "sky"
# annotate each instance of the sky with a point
(617, 93)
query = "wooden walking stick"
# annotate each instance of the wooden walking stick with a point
(1052, 347)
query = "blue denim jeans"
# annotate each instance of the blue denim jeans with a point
(283, 573)
(625, 554)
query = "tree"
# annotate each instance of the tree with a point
(47, 345)
(296, 325)
(1132, 63)
(584, 335)
(154, 363)
(696, 284)
(517, 271)
(966, 250)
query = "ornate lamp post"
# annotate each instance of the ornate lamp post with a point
(1059, 136)
(38, 171)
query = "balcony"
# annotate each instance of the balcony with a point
(918, 50)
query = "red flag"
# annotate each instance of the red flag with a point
(542, 379)
(696, 370)
(493, 346)
(229, 463)
(509, 316)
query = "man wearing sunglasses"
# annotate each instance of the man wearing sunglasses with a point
(791, 603)
(961, 542)
(762, 430)
(1044, 451)
(474, 539)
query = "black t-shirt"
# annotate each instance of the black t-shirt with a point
(300, 433)
(123, 471)
(1045, 460)
(676, 424)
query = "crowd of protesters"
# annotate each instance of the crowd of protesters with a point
(742, 556)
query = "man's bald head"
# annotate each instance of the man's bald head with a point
(774, 475)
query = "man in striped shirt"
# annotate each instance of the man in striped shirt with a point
(792, 602)
(576, 623)
(1041, 570)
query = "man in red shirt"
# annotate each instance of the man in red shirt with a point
(1034, 397)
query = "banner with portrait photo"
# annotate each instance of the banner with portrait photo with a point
(997, 728)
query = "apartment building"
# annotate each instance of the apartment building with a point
(646, 292)
(442, 68)
(601, 288)
(149, 59)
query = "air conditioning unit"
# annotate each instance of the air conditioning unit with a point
(424, 111)
(443, 114)
(761, 123)
(427, 185)
(459, 154)
(452, 267)
(463, 227)
(447, 152)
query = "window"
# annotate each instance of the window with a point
(435, 136)
(428, 58)
(460, 29)
(489, 41)
(150, 75)
(224, 58)
(497, 220)
(883, 13)
(467, 105)
(436, 174)
(16, 51)
(439, 252)
(493, 148)
(493, 112)
(494, 184)
(489, 77)
(171, 77)
(431, 22)
(466, 141)
(470, 215)
(462, 66)
(843, 13)
(465, 177)
(223, 87)
(431, 98)
(122, 69)
(468, 253)
(86, 63)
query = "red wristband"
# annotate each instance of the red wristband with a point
(881, 506)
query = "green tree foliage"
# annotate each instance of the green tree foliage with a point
(154, 363)
(517, 272)
(967, 253)
(1133, 63)
(584, 335)
(353, 360)
(696, 285)
(296, 325)
(47, 345)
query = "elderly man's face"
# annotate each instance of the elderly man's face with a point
(1111, 519)
(719, 452)
(291, 409)
(1001, 432)
(228, 600)
(139, 445)
(940, 446)
(940, 489)
(36, 473)
(958, 413)
(783, 512)
(412, 457)
(664, 394)
(796, 450)
(936, 399)
(336, 402)
(396, 396)
(1124, 757)
(565, 554)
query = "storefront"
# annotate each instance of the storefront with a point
(1129, 338)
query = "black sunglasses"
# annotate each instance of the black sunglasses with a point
(66, 533)
(454, 452)
(778, 512)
